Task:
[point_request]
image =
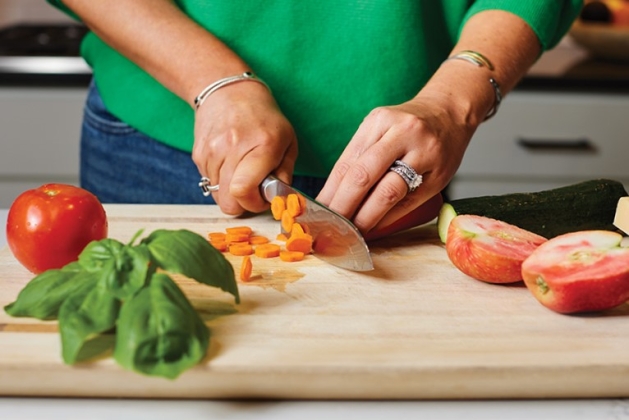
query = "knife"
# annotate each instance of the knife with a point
(335, 239)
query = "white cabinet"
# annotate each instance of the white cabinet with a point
(542, 140)
(40, 131)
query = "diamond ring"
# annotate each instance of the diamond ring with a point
(207, 187)
(408, 174)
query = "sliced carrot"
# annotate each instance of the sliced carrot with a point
(297, 230)
(237, 237)
(287, 221)
(291, 256)
(278, 205)
(238, 243)
(240, 249)
(306, 228)
(302, 203)
(219, 245)
(302, 243)
(292, 205)
(213, 236)
(281, 237)
(246, 268)
(239, 230)
(267, 250)
(258, 240)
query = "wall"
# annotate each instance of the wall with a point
(15, 11)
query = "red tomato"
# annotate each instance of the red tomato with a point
(489, 250)
(48, 227)
(579, 272)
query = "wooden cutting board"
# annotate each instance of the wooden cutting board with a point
(414, 328)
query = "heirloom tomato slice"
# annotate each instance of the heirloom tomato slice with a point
(488, 249)
(579, 272)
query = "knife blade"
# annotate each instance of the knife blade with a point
(335, 239)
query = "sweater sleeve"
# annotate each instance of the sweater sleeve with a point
(549, 19)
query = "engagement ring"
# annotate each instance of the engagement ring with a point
(408, 174)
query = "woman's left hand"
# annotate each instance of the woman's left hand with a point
(427, 133)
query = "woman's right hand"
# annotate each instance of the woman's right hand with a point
(240, 137)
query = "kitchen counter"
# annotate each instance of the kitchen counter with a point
(138, 409)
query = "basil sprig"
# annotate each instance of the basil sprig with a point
(124, 290)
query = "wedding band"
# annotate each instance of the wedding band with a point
(408, 174)
(207, 187)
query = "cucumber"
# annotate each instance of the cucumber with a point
(587, 205)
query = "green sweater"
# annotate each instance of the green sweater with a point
(327, 62)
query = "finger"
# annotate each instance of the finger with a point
(251, 171)
(389, 191)
(368, 134)
(365, 173)
(284, 172)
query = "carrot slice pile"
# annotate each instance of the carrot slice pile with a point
(241, 240)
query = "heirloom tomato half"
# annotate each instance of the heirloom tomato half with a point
(48, 227)
(489, 250)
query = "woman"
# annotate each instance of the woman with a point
(355, 102)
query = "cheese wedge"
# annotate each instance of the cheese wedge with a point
(621, 219)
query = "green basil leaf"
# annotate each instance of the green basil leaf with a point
(42, 297)
(188, 253)
(124, 268)
(159, 332)
(89, 311)
(98, 253)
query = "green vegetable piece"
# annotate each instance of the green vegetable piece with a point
(159, 333)
(42, 297)
(188, 253)
(89, 311)
(587, 205)
(124, 268)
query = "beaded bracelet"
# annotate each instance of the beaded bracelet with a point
(480, 60)
(205, 93)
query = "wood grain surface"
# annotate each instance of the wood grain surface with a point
(414, 328)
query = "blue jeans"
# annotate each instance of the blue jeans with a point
(121, 165)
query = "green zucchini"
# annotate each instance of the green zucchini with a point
(586, 205)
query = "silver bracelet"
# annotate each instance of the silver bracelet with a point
(205, 93)
(497, 100)
(480, 60)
